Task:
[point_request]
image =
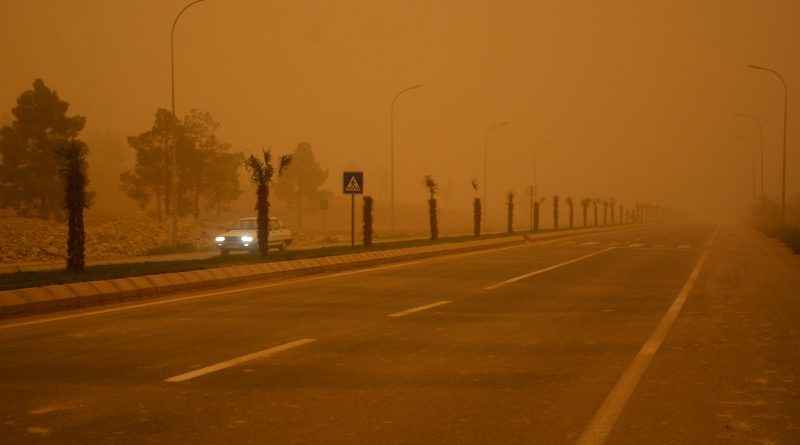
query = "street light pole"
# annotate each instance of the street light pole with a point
(491, 127)
(391, 146)
(785, 123)
(757, 121)
(173, 159)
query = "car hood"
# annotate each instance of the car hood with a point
(241, 232)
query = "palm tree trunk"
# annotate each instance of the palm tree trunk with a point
(262, 209)
(367, 221)
(433, 219)
(476, 216)
(571, 216)
(555, 212)
(510, 227)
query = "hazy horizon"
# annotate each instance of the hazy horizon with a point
(621, 100)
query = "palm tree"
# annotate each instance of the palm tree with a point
(72, 169)
(433, 188)
(368, 221)
(476, 210)
(261, 173)
(585, 205)
(595, 202)
(536, 205)
(612, 203)
(571, 206)
(605, 212)
(510, 203)
(555, 212)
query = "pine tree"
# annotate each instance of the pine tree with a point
(28, 148)
(302, 180)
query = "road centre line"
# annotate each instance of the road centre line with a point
(599, 428)
(239, 360)
(442, 258)
(547, 269)
(419, 309)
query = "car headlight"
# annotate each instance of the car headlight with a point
(247, 239)
(219, 239)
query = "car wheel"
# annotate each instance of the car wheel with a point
(283, 246)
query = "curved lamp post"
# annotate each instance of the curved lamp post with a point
(391, 146)
(760, 127)
(785, 123)
(492, 127)
(173, 159)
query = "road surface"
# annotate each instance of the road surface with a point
(663, 334)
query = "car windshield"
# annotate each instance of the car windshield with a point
(248, 224)
(252, 224)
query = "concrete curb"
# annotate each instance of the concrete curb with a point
(80, 294)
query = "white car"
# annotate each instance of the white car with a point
(245, 236)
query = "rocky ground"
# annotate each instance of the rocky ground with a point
(33, 240)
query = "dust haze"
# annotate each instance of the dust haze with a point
(620, 98)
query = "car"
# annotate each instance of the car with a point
(244, 237)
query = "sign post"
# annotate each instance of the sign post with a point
(353, 184)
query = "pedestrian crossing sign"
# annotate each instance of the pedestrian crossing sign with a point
(353, 183)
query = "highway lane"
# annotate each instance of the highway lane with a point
(526, 362)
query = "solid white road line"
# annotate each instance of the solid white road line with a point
(443, 258)
(606, 416)
(239, 360)
(547, 269)
(419, 309)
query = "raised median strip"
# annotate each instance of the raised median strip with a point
(79, 294)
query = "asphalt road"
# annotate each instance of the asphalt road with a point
(649, 335)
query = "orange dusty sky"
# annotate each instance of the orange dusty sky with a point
(620, 98)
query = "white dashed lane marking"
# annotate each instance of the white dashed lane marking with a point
(418, 309)
(239, 360)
